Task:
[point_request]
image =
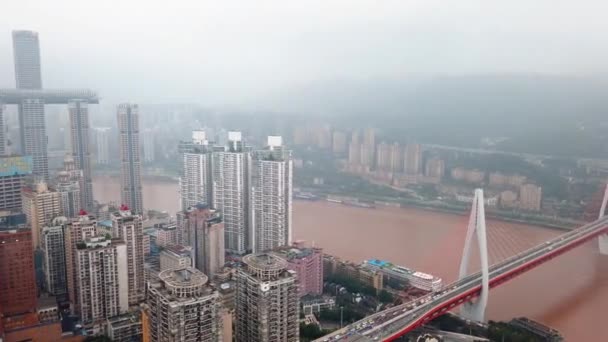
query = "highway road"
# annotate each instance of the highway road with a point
(394, 322)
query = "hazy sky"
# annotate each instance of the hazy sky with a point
(233, 51)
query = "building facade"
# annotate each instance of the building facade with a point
(101, 275)
(13, 171)
(231, 176)
(149, 145)
(308, 265)
(103, 145)
(267, 304)
(205, 234)
(40, 206)
(128, 130)
(271, 196)
(196, 184)
(175, 256)
(129, 227)
(76, 230)
(18, 292)
(530, 197)
(182, 307)
(79, 132)
(412, 159)
(54, 263)
(26, 50)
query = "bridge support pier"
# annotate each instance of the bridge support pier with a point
(603, 239)
(475, 310)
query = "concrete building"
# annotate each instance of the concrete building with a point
(13, 171)
(434, 168)
(271, 196)
(339, 144)
(396, 158)
(76, 230)
(103, 145)
(54, 263)
(18, 290)
(182, 307)
(205, 234)
(231, 176)
(530, 197)
(125, 328)
(166, 234)
(149, 145)
(40, 206)
(412, 159)
(129, 227)
(26, 50)
(68, 186)
(267, 304)
(508, 199)
(308, 265)
(79, 132)
(196, 184)
(128, 130)
(354, 153)
(175, 256)
(101, 275)
(384, 157)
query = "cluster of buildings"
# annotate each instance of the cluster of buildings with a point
(391, 163)
(224, 267)
(512, 191)
(380, 274)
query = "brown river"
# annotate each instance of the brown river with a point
(569, 293)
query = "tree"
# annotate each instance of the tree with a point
(385, 297)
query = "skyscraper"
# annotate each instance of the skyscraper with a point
(413, 159)
(148, 139)
(180, 306)
(54, 265)
(40, 205)
(129, 227)
(196, 179)
(75, 232)
(103, 145)
(101, 275)
(18, 291)
(271, 188)
(79, 129)
(267, 304)
(231, 192)
(128, 127)
(13, 171)
(68, 186)
(26, 50)
(205, 234)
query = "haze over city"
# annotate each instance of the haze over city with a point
(239, 53)
(303, 171)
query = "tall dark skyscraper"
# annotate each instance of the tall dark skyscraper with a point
(26, 49)
(27, 60)
(128, 131)
(79, 128)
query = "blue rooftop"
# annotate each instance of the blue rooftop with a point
(376, 262)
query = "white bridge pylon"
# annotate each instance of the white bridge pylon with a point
(475, 310)
(603, 239)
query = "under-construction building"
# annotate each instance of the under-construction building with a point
(181, 306)
(267, 304)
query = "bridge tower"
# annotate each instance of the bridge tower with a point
(603, 239)
(477, 225)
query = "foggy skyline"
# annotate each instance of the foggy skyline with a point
(243, 51)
